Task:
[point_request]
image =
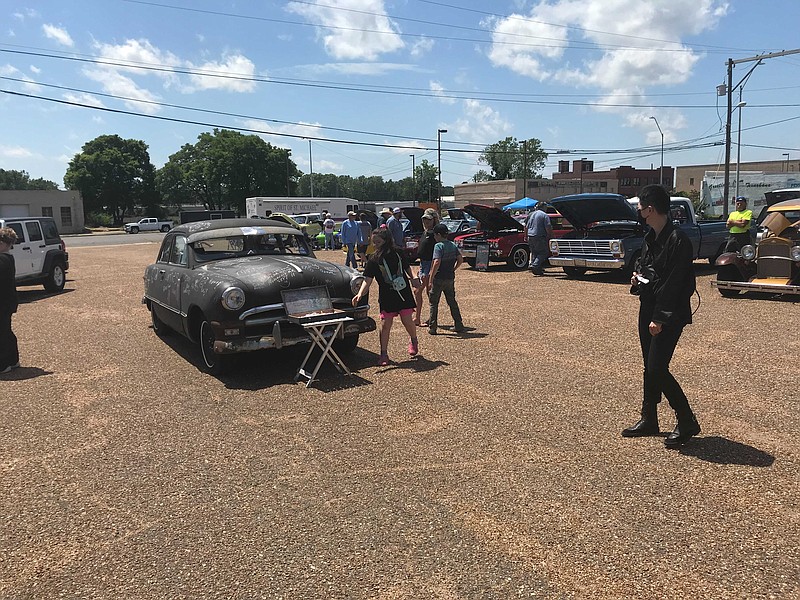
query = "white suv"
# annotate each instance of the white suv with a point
(40, 255)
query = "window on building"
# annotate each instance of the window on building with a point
(691, 180)
(66, 216)
(626, 181)
(636, 181)
(47, 211)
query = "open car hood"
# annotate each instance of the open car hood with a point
(584, 209)
(414, 216)
(493, 219)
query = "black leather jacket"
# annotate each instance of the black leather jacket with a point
(667, 261)
(8, 286)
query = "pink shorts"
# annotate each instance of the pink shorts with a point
(392, 315)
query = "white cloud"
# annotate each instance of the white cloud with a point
(422, 47)
(233, 65)
(353, 29)
(299, 130)
(6, 70)
(327, 166)
(84, 98)
(30, 85)
(355, 68)
(15, 152)
(59, 34)
(406, 146)
(481, 122)
(26, 13)
(438, 90)
(119, 85)
(35, 70)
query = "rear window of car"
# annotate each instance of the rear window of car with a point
(249, 245)
(17, 227)
(50, 232)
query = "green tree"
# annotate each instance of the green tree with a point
(20, 180)
(426, 177)
(225, 167)
(113, 175)
(511, 159)
(481, 176)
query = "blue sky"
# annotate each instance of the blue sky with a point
(371, 81)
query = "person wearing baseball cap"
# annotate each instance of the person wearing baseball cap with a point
(350, 232)
(396, 228)
(739, 226)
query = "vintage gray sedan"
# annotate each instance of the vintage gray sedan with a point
(219, 284)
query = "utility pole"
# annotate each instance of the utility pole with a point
(413, 182)
(439, 133)
(524, 168)
(731, 87)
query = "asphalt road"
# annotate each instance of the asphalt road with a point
(111, 239)
(489, 467)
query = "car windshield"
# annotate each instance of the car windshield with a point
(452, 225)
(300, 219)
(269, 244)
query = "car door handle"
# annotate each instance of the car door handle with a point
(42, 246)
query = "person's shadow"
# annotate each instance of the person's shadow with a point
(723, 451)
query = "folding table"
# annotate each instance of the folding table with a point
(316, 329)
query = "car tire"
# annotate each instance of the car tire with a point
(134, 230)
(575, 272)
(347, 345)
(470, 262)
(213, 363)
(164, 228)
(728, 273)
(520, 258)
(56, 278)
(159, 327)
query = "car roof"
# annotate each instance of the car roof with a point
(203, 230)
(785, 205)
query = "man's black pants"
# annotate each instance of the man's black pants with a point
(9, 352)
(657, 352)
(737, 241)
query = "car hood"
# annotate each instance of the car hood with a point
(584, 209)
(414, 216)
(263, 277)
(493, 219)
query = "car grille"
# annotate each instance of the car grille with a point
(587, 247)
(774, 259)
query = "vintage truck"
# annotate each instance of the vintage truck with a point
(148, 224)
(608, 235)
(504, 235)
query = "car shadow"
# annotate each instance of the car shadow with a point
(604, 277)
(23, 373)
(26, 296)
(720, 450)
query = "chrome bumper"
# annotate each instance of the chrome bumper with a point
(746, 286)
(589, 263)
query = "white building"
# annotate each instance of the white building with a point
(66, 207)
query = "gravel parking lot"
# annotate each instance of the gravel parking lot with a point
(489, 467)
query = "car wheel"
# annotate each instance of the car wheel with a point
(160, 329)
(164, 228)
(213, 363)
(575, 272)
(520, 258)
(470, 262)
(56, 278)
(728, 273)
(134, 230)
(347, 345)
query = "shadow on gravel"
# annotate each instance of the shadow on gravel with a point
(418, 364)
(23, 373)
(24, 295)
(723, 451)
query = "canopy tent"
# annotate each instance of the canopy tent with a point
(523, 204)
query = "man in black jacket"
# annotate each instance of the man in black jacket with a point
(664, 281)
(9, 352)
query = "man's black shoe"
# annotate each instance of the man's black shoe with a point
(682, 434)
(642, 428)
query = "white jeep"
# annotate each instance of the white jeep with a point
(40, 255)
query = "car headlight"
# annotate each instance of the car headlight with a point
(795, 253)
(615, 246)
(748, 252)
(553, 247)
(233, 298)
(355, 283)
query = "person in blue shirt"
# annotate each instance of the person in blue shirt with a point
(351, 235)
(396, 228)
(446, 259)
(539, 231)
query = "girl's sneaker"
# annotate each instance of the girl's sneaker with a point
(413, 347)
(383, 360)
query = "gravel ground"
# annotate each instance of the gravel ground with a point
(489, 467)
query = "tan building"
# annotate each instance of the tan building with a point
(690, 177)
(66, 207)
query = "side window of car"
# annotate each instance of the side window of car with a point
(17, 227)
(34, 231)
(179, 254)
(50, 232)
(166, 248)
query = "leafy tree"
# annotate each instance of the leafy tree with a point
(20, 180)
(223, 168)
(113, 175)
(511, 159)
(481, 176)
(426, 177)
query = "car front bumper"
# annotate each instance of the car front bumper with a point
(757, 286)
(283, 336)
(588, 263)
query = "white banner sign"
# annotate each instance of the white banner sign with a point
(752, 185)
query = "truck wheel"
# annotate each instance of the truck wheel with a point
(347, 345)
(56, 278)
(164, 228)
(213, 363)
(575, 272)
(520, 258)
(160, 329)
(134, 230)
(728, 273)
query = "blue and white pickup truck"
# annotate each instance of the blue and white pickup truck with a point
(608, 235)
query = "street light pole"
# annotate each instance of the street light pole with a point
(786, 154)
(439, 133)
(413, 182)
(739, 142)
(661, 170)
(311, 168)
